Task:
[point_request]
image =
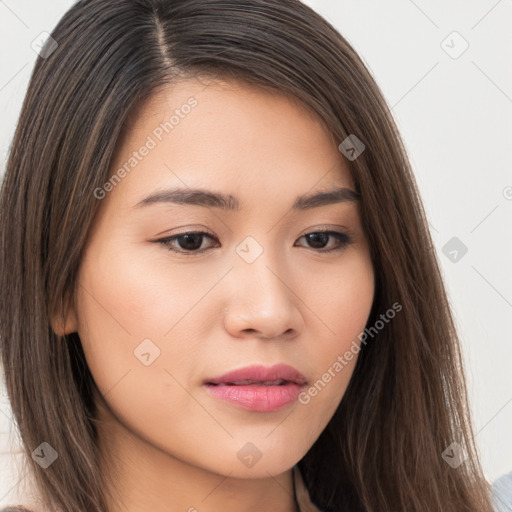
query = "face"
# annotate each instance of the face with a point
(175, 291)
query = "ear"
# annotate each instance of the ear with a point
(65, 320)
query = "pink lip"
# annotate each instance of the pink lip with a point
(255, 395)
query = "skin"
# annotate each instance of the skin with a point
(294, 304)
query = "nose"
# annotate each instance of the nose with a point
(261, 301)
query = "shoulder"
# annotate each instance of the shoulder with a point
(502, 493)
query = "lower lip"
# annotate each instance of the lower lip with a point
(259, 398)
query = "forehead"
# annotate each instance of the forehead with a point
(215, 134)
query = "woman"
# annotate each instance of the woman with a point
(300, 355)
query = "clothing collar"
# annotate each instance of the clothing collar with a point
(301, 493)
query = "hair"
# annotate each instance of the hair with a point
(406, 401)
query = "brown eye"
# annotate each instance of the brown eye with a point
(320, 239)
(187, 242)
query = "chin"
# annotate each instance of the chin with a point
(248, 461)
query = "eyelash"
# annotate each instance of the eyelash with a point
(343, 240)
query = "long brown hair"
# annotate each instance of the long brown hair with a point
(406, 402)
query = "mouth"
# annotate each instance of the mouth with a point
(279, 374)
(258, 388)
(279, 382)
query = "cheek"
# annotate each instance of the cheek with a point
(138, 319)
(136, 296)
(123, 316)
(341, 303)
(339, 296)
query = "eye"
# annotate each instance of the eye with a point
(191, 243)
(320, 239)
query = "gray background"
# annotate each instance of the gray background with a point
(454, 112)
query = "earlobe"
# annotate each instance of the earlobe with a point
(64, 321)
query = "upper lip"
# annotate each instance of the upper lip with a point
(260, 373)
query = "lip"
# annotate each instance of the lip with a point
(261, 374)
(245, 387)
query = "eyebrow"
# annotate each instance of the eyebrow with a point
(208, 199)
